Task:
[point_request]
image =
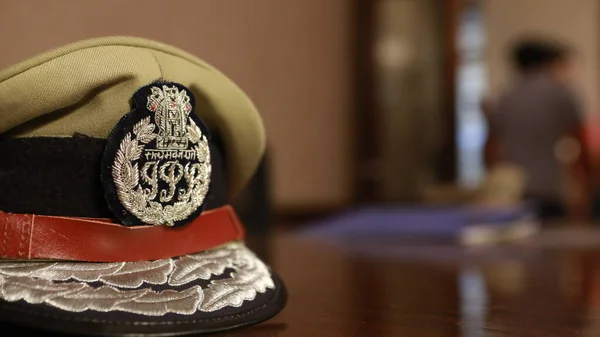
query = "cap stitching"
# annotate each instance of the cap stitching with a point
(23, 229)
(152, 48)
(157, 63)
(31, 235)
(4, 241)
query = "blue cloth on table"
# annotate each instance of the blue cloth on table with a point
(412, 221)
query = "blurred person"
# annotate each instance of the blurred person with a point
(532, 117)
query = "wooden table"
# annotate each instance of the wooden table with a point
(405, 287)
(388, 287)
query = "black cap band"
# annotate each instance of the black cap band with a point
(61, 176)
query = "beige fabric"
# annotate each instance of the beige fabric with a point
(504, 184)
(86, 88)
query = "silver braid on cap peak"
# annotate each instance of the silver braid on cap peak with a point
(104, 287)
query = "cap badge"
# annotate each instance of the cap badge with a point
(156, 166)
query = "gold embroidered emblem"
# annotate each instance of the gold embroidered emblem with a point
(161, 168)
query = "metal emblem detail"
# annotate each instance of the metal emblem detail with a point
(161, 168)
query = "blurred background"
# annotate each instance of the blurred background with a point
(445, 119)
(365, 102)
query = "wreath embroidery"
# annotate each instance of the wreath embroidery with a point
(163, 177)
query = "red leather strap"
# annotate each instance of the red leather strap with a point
(30, 236)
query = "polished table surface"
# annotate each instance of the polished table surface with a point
(391, 286)
(548, 286)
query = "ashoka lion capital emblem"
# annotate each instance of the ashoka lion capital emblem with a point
(161, 168)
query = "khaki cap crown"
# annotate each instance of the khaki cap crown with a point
(86, 88)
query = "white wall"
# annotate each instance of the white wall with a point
(573, 21)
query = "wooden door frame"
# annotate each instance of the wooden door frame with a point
(448, 165)
(366, 112)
